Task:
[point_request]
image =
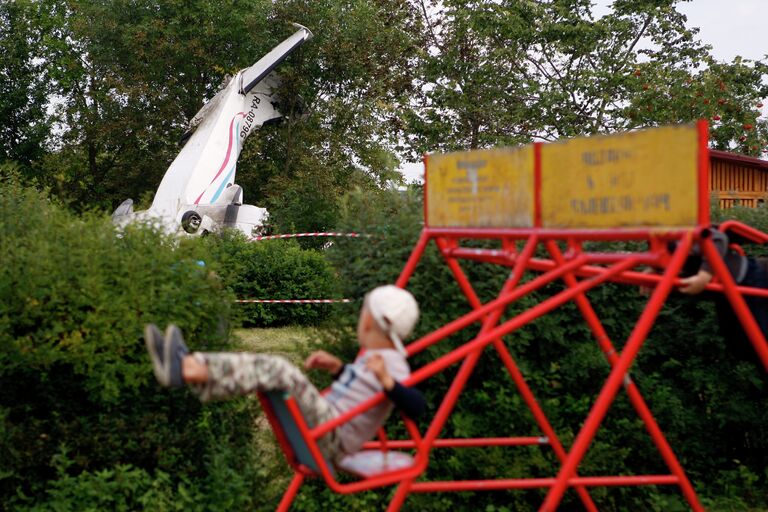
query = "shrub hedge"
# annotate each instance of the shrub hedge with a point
(272, 269)
(83, 425)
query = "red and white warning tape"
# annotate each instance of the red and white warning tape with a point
(299, 235)
(295, 301)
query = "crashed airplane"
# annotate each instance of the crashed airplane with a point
(198, 193)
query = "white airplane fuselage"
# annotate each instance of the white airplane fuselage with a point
(198, 193)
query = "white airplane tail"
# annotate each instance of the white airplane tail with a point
(198, 193)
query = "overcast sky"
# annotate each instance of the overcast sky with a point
(731, 27)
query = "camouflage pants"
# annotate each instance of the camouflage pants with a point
(241, 373)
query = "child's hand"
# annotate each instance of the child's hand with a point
(696, 283)
(322, 360)
(375, 363)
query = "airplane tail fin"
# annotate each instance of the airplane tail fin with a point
(125, 208)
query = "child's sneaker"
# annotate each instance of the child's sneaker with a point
(166, 354)
(175, 350)
(153, 337)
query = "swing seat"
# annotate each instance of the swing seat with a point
(370, 463)
(365, 463)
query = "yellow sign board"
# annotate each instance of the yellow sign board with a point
(482, 188)
(643, 178)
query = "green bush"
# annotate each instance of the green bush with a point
(273, 269)
(121, 489)
(75, 378)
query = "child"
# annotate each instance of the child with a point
(387, 317)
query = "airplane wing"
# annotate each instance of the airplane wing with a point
(256, 73)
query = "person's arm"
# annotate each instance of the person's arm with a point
(407, 399)
(695, 284)
(322, 360)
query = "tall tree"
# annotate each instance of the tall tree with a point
(132, 74)
(23, 87)
(352, 78)
(381, 78)
(502, 72)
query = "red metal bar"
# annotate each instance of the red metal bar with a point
(290, 493)
(518, 321)
(609, 235)
(749, 232)
(409, 444)
(410, 427)
(493, 319)
(517, 376)
(459, 275)
(616, 377)
(469, 364)
(703, 172)
(541, 419)
(400, 495)
(383, 440)
(505, 258)
(537, 184)
(533, 483)
(634, 278)
(468, 319)
(446, 406)
(522, 261)
(425, 445)
(753, 331)
(642, 409)
(413, 259)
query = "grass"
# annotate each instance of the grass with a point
(293, 342)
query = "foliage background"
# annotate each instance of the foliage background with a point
(97, 93)
(94, 96)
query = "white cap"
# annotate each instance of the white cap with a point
(395, 312)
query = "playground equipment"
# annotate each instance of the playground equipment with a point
(648, 186)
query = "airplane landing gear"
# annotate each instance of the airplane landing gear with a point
(191, 221)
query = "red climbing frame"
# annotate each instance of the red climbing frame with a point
(556, 211)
